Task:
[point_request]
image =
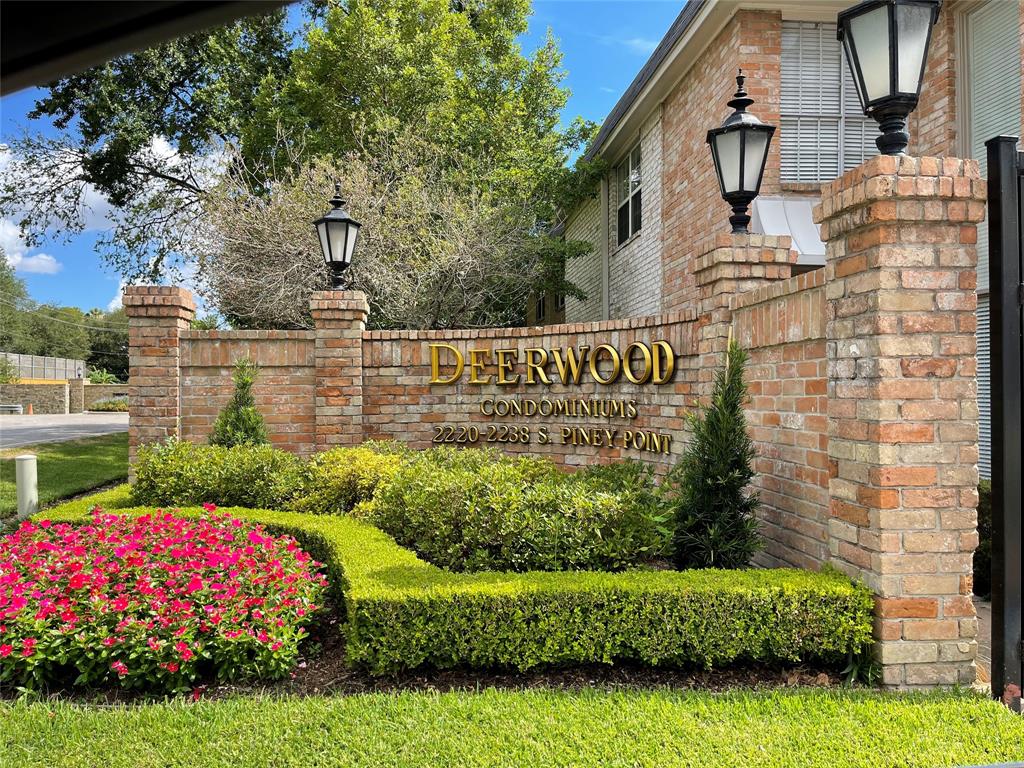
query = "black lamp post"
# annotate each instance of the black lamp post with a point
(740, 148)
(886, 43)
(338, 233)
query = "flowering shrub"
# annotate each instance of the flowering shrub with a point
(156, 601)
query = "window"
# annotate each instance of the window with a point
(628, 196)
(823, 133)
(541, 308)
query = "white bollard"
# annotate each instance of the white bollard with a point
(28, 485)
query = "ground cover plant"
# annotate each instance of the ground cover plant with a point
(111, 405)
(404, 613)
(477, 510)
(527, 729)
(152, 601)
(463, 509)
(183, 473)
(66, 468)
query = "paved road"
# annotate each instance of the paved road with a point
(16, 431)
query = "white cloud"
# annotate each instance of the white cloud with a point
(14, 249)
(642, 45)
(39, 264)
(115, 303)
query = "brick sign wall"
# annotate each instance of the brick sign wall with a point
(516, 409)
(862, 383)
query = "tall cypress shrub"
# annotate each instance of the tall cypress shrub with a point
(240, 423)
(715, 524)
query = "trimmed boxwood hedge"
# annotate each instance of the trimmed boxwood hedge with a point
(402, 613)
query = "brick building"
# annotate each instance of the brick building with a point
(659, 206)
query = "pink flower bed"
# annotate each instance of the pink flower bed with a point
(156, 601)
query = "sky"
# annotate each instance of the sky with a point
(604, 42)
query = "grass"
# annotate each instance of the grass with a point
(66, 468)
(807, 728)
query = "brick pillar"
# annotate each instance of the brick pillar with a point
(76, 395)
(903, 415)
(340, 319)
(156, 317)
(734, 264)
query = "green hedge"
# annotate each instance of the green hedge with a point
(403, 613)
(479, 510)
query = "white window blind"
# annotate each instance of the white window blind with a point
(993, 75)
(823, 132)
(984, 390)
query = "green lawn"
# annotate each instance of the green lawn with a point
(67, 468)
(521, 729)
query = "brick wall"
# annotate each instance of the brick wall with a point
(585, 272)
(635, 268)
(783, 328)
(283, 392)
(693, 208)
(96, 392)
(44, 398)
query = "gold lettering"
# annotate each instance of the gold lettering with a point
(613, 355)
(476, 366)
(663, 375)
(627, 363)
(570, 363)
(505, 365)
(631, 409)
(487, 407)
(536, 365)
(435, 364)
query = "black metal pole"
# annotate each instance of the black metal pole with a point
(1005, 214)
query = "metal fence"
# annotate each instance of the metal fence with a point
(38, 367)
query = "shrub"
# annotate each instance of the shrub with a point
(111, 405)
(715, 524)
(179, 472)
(403, 613)
(102, 376)
(983, 554)
(153, 601)
(335, 481)
(240, 423)
(9, 372)
(473, 509)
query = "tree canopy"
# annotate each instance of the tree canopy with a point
(251, 106)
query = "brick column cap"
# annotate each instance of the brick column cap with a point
(338, 305)
(747, 240)
(158, 300)
(869, 193)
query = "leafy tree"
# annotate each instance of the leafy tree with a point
(431, 254)
(151, 126)
(241, 106)
(108, 342)
(54, 331)
(13, 294)
(241, 423)
(716, 526)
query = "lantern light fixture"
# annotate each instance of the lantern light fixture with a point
(886, 45)
(739, 148)
(338, 233)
